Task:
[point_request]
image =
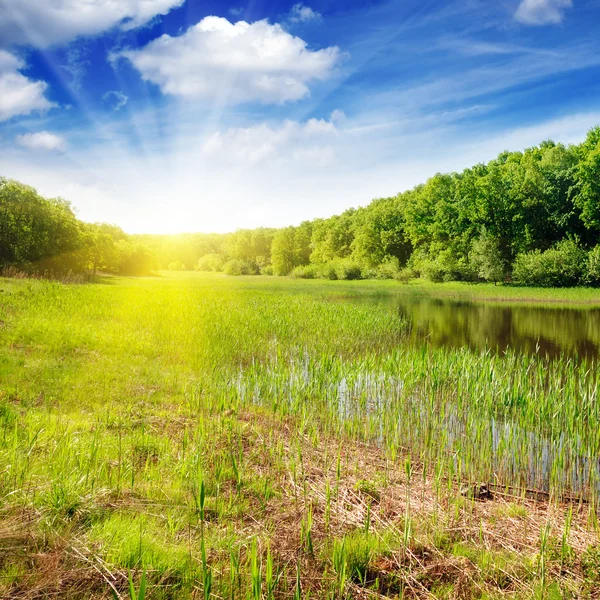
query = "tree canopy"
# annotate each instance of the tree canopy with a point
(509, 219)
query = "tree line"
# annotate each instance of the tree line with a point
(529, 217)
(43, 236)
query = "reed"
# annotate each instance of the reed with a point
(251, 438)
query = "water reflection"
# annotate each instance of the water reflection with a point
(573, 332)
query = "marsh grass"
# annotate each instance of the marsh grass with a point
(206, 437)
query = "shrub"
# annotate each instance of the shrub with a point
(267, 270)
(176, 265)
(372, 273)
(210, 262)
(329, 271)
(388, 269)
(405, 275)
(443, 266)
(342, 268)
(239, 267)
(486, 258)
(561, 266)
(135, 259)
(307, 272)
(431, 270)
(347, 269)
(593, 266)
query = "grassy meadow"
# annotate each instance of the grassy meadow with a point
(199, 436)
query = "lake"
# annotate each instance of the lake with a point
(545, 330)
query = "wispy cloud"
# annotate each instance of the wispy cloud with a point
(42, 140)
(116, 98)
(484, 80)
(76, 65)
(303, 14)
(291, 141)
(542, 12)
(475, 48)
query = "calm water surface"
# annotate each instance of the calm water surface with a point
(572, 332)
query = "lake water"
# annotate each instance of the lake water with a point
(525, 456)
(548, 331)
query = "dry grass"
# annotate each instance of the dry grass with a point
(62, 565)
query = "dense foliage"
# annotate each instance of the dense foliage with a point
(531, 217)
(44, 236)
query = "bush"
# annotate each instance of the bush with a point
(267, 270)
(486, 259)
(388, 269)
(307, 272)
(176, 265)
(239, 267)
(347, 269)
(593, 266)
(329, 271)
(405, 275)
(135, 259)
(443, 266)
(210, 262)
(431, 270)
(334, 269)
(561, 266)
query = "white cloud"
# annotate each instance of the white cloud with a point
(292, 141)
(542, 12)
(180, 188)
(18, 94)
(43, 23)
(116, 98)
(43, 140)
(234, 63)
(303, 14)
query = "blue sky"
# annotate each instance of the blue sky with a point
(181, 115)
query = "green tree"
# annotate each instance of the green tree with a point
(135, 258)
(332, 238)
(36, 230)
(588, 196)
(486, 258)
(379, 233)
(283, 251)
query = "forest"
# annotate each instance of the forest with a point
(529, 218)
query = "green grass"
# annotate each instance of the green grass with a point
(488, 292)
(254, 437)
(504, 293)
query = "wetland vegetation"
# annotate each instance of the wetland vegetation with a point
(423, 434)
(202, 436)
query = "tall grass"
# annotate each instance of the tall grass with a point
(176, 429)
